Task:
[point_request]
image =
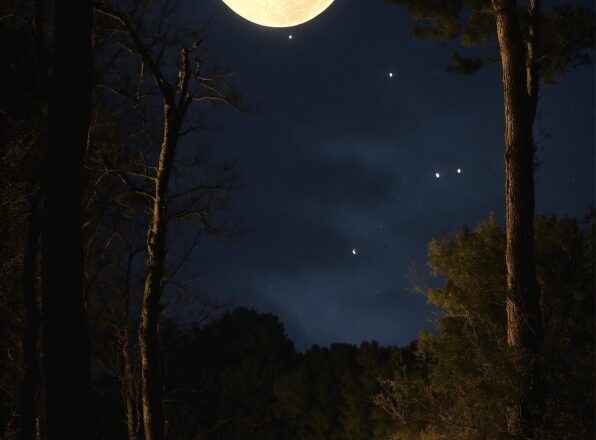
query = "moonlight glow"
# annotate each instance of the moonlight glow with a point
(278, 13)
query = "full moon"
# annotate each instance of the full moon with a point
(278, 13)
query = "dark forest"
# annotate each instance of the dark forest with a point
(112, 182)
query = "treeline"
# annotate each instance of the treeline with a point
(238, 376)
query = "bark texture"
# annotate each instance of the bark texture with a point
(149, 347)
(127, 375)
(176, 101)
(128, 394)
(66, 362)
(532, 77)
(524, 332)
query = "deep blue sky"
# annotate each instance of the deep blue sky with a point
(341, 156)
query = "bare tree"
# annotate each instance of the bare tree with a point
(167, 200)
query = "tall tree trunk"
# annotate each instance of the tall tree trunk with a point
(522, 304)
(127, 378)
(128, 394)
(66, 364)
(31, 357)
(151, 374)
(32, 373)
(532, 74)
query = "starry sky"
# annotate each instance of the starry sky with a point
(341, 155)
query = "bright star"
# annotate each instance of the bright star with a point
(354, 251)
(437, 175)
(459, 171)
(390, 74)
(290, 36)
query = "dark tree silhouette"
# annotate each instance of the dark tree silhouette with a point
(65, 344)
(24, 136)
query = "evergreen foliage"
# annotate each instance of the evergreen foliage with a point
(461, 381)
(567, 36)
(240, 377)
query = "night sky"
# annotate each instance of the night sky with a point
(341, 156)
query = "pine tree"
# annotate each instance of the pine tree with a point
(533, 46)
